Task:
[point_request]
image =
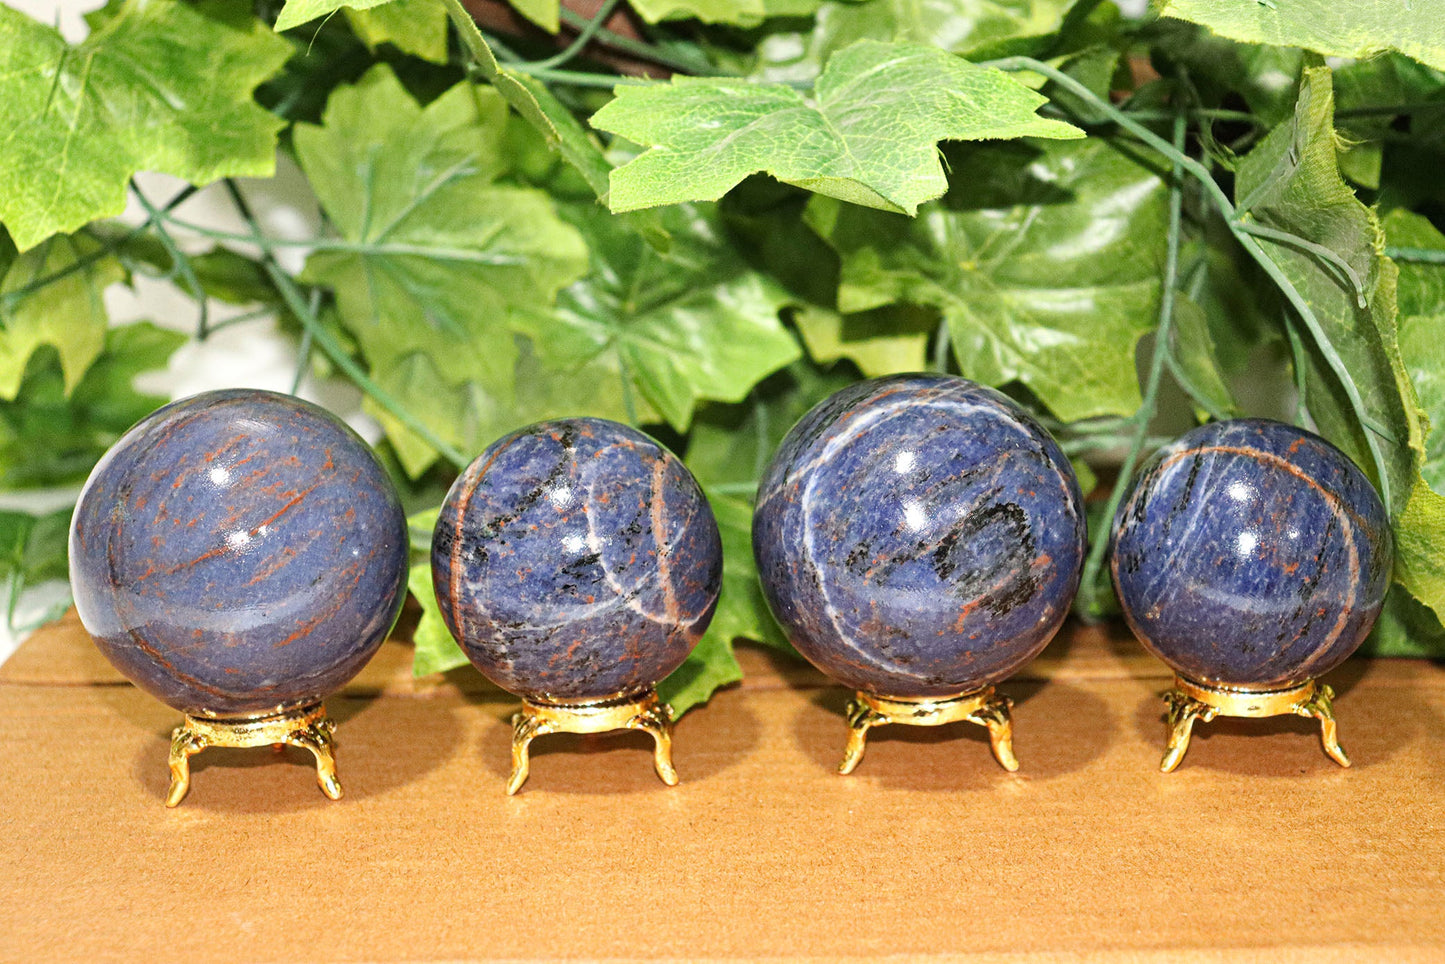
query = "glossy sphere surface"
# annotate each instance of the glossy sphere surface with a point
(919, 535)
(1251, 553)
(238, 553)
(576, 560)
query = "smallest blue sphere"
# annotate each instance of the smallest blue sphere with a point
(576, 560)
(1251, 554)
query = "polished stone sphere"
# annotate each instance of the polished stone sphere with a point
(238, 553)
(1251, 553)
(919, 535)
(576, 560)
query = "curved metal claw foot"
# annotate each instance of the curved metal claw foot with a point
(656, 721)
(861, 718)
(184, 744)
(1190, 700)
(307, 727)
(1183, 711)
(318, 739)
(639, 712)
(1321, 707)
(982, 707)
(995, 714)
(525, 729)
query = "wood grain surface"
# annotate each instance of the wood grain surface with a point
(1257, 848)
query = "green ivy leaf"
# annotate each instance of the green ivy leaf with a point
(32, 550)
(159, 87)
(67, 312)
(883, 341)
(527, 96)
(436, 650)
(47, 438)
(741, 13)
(1356, 29)
(867, 136)
(730, 449)
(1421, 300)
(34, 545)
(1291, 182)
(544, 13)
(671, 328)
(234, 278)
(1369, 97)
(417, 27)
(708, 668)
(297, 12)
(1044, 260)
(731, 445)
(8, 254)
(1194, 361)
(433, 253)
(972, 28)
(1266, 78)
(1406, 628)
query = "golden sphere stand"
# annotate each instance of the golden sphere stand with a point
(638, 712)
(307, 727)
(1189, 701)
(983, 707)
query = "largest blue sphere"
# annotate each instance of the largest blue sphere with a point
(238, 553)
(576, 560)
(1250, 553)
(919, 536)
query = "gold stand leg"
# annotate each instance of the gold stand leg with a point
(656, 720)
(1189, 701)
(984, 708)
(319, 739)
(861, 718)
(998, 717)
(1321, 707)
(1183, 711)
(308, 728)
(642, 712)
(525, 728)
(184, 745)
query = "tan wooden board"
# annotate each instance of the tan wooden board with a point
(1257, 848)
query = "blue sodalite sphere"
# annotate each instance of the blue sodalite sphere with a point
(1251, 553)
(576, 560)
(919, 535)
(238, 553)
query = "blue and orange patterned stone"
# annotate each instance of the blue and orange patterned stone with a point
(576, 560)
(919, 536)
(239, 553)
(1251, 554)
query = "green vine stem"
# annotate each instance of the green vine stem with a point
(1422, 255)
(12, 298)
(1192, 280)
(341, 244)
(638, 48)
(942, 342)
(1375, 432)
(589, 30)
(299, 306)
(1318, 250)
(1089, 583)
(308, 338)
(181, 263)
